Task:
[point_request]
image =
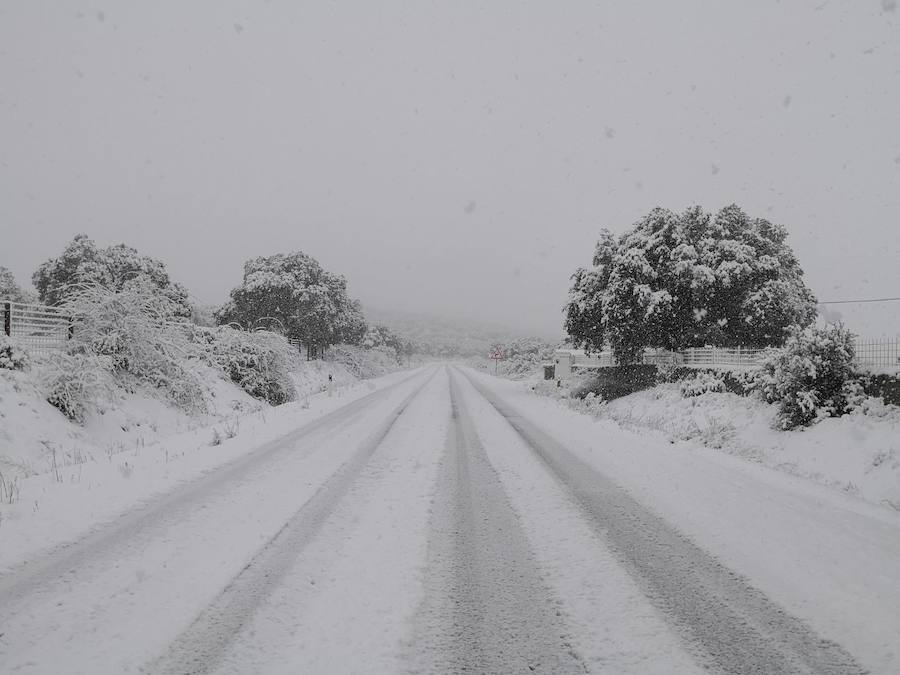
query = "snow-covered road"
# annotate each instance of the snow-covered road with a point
(453, 522)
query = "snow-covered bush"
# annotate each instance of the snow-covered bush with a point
(854, 394)
(883, 386)
(670, 372)
(524, 356)
(259, 362)
(749, 382)
(591, 404)
(12, 356)
(75, 383)
(364, 363)
(703, 382)
(812, 377)
(133, 337)
(137, 332)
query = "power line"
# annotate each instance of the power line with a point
(848, 302)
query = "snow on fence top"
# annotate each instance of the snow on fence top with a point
(36, 327)
(871, 354)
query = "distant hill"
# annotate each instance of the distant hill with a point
(443, 336)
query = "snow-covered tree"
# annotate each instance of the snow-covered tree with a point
(83, 264)
(10, 290)
(293, 294)
(584, 312)
(685, 280)
(382, 336)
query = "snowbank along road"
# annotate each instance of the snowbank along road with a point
(453, 523)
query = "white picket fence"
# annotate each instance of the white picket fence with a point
(36, 327)
(740, 357)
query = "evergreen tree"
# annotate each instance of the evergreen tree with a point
(82, 264)
(677, 281)
(292, 294)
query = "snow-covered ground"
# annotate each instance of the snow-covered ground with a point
(827, 557)
(35, 436)
(858, 453)
(137, 449)
(380, 528)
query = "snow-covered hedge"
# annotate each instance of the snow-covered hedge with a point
(12, 356)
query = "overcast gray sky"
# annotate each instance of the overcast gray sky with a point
(457, 157)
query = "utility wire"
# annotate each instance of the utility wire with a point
(848, 302)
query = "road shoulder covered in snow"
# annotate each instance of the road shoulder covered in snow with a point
(74, 497)
(828, 558)
(858, 454)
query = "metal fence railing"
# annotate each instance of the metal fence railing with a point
(35, 327)
(878, 353)
(881, 354)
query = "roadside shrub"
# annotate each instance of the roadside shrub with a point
(12, 356)
(591, 404)
(363, 363)
(138, 333)
(259, 362)
(883, 386)
(75, 383)
(740, 382)
(669, 372)
(812, 377)
(134, 336)
(703, 382)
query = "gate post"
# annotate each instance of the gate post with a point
(7, 318)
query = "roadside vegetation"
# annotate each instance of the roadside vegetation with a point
(694, 279)
(522, 357)
(144, 360)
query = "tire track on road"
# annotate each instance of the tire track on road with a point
(202, 646)
(714, 609)
(486, 609)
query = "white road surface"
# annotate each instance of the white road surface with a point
(456, 523)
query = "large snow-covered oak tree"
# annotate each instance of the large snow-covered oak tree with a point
(688, 280)
(293, 294)
(83, 264)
